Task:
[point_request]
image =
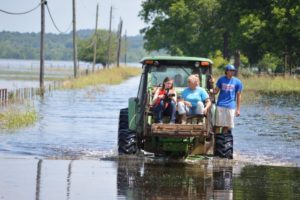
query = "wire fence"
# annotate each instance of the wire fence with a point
(20, 95)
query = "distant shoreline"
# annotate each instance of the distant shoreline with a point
(12, 63)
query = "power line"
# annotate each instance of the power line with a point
(53, 22)
(25, 12)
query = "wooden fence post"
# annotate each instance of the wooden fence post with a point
(3, 96)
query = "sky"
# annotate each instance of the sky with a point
(61, 11)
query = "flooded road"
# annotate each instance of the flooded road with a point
(78, 123)
(71, 153)
(269, 132)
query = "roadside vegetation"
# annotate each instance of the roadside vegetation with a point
(113, 75)
(257, 88)
(272, 85)
(13, 116)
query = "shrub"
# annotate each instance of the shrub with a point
(269, 61)
(219, 61)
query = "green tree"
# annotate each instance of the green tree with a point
(200, 27)
(184, 27)
(86, 48)
(270, 26)
(285, 18)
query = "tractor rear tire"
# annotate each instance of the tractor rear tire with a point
(224, 145)
(127, 142)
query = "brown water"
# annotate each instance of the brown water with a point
(71, 154)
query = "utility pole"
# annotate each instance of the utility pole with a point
(74, 42)
(96, 39)
(125, 44)
(42, 54)
(119, 42)
(109, 38)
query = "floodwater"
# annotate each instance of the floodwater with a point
(15, 74)
(70, 153)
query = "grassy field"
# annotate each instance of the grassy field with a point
(113, 75)
(258, 87)
(272, 85)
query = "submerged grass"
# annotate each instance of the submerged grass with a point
(113, 75)
(17, 116)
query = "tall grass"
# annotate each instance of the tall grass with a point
(113, 75)
(256, 88)
(272, 85)
(14, 117)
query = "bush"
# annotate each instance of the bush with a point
(246, 72)
(244, 61)
(269, 61)
(219, 61)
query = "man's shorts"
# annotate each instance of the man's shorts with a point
(225, 117)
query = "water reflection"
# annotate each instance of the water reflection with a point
(38, 179)
(267, 182)
(140, 178)
(69, 179)
(205, 180)
(168, 180)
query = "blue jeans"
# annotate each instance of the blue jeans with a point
(160, 110)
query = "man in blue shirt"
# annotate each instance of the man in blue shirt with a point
(229, 100)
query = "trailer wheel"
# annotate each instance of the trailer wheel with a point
(127, 142)
(224, 145)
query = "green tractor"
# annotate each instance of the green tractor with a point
(137, 130)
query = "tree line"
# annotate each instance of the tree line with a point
(262, 31)
(16, 45)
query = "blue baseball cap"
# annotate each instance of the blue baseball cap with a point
(229, 67)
